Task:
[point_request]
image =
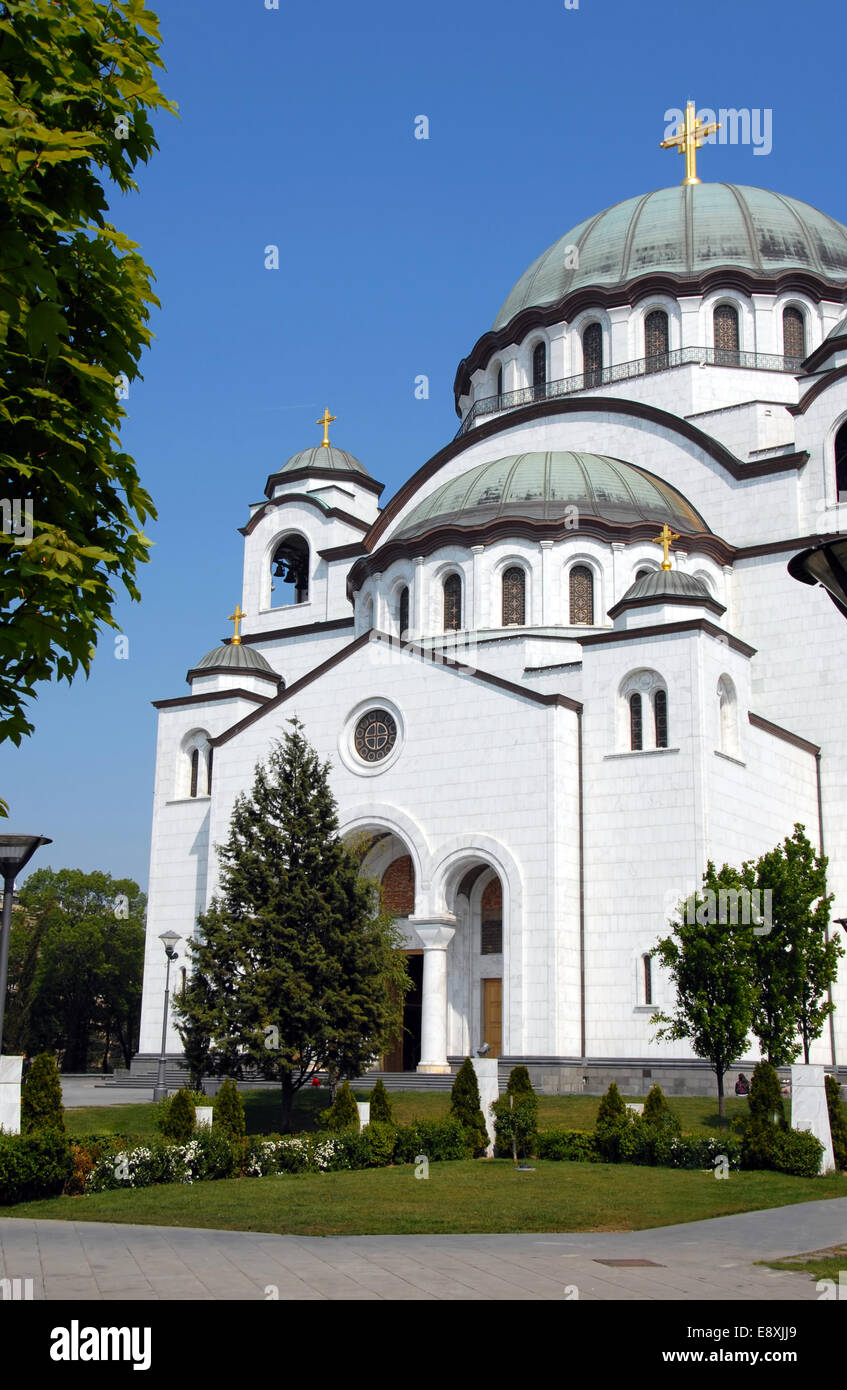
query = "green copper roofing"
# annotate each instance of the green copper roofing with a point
(319, 457)
(541, 486)
(684, 231)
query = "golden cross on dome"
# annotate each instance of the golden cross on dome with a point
(665, 539)
(688, 139)
(237, 617)
(326, 420)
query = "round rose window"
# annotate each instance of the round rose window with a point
(375, 735)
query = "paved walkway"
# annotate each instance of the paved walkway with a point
(710, 1260)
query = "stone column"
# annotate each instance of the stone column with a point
(435, 937)
(419, 601)
(475, 614)
(546, 611)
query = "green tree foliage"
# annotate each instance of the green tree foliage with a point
(465, 1107)
(611, 1110)
(229, 1111)
(709, 963)
(76, 91)
(343, 1113)
(380, 1105)
(837, 1122)
(41, 1101)
(519, 1083)
(613, 1120)
(177, 1117)
(794, 963)
(190, 1012)
(765, 1118)
(659, 1114)
(516, 1123)
(76, 965)
(302, 970)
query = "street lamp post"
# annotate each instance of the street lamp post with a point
(15, 852)
(169, 938)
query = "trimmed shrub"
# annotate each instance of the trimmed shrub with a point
(658, 1113)
(177, 1117)
(519, 1083)
(33, 1165)
(41, 1101)
(765, 1106)
(439, 1140)
(229, 1111)
(796, 1152)
(465, 1107)
(567, 1145)
(380, 1140)
(613, 1119)
(693, 1152)
(342, 1114)
(516, 1124)
(837, 1122)
(380, 1105)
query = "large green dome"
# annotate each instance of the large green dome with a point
(685, 231)
(542, 486)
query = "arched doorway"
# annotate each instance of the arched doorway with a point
(475, 980)
(398, 897)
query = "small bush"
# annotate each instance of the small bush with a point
(519, 1083)
(380, 1105)
(765, 1106)
(516, 1124)
(177, 1117)
(439, 1140)
(229, 1111)
(41, 1102)
(796, 1152)
(465, 1107)
(380, 1140)
(33, 1165)
(693, 1152)
(342, 1114)
(567, 1145)
(658, 1113)
(613, 1119)
(837, 1122)
(612, 1109)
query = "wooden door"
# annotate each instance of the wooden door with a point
(492, 1015)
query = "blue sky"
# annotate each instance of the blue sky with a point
(297, 128)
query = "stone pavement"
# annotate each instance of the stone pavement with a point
(712, 1260)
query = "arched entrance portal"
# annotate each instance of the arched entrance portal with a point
(475, 961)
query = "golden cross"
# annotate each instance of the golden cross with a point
(326, 420)
(236, 618)
(688, 139)
(665, 540)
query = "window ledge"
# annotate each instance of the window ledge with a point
(639, 753)
(719, 753)
(180, 800)
(645, 1008)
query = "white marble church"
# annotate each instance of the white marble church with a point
(565, 665)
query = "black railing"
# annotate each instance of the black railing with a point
(627, 371)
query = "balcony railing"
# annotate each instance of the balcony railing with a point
(627, 371)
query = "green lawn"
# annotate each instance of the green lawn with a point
(698, 1114)
(459, 1197)
(823, 1264)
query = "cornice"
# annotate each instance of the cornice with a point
(304, 630)
(198, 671)
(311, 502)
(820, 354)
(671, 600)
(767, 727)
(635, 634)
(214, 695)
(837, 374)
(331, 474)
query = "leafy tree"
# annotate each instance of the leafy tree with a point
(229, 1111)
(303, 971)
(837, 1122)
(380, 1105)
(516, 1123)
(76, 88)
(344, 1112)
(41, 1101)
(76, 964)
(709, 962)
(794, 963)
(465, 1107)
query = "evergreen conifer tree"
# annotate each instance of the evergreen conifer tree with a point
(380, 1105)
(178, 1118)
(343, 1113)
(837, 1122)
(229, 1111)
(41, 1102)
(766, 1115)
(611, 1110)
(465, 1107)
(302, 970)
(519, 1083)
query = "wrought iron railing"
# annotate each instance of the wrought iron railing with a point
(627, 371)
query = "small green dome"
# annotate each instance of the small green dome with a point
(684, 231)
(338, 460)
(542, 486)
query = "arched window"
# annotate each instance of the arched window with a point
(647, 968)
(514, 597)
(728, 713)
(656, 340)
(592, 354)
(403, 616)
(581, 585)
(794, 335)
(195, 770)
(290, 572)
(209, 758)
(660, 715)
(491, 919)
(636, 732)
(452, 603)
(539, 371)
(727, 336)
(499, 381)
(841, 463)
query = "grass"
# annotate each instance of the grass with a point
(823, 1264)
(460, 1197)
(698, 1114)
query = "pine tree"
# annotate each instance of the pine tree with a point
(465, 1107)
(655, 1106)
(229, 1111)
(178, 1118)
(344, 1112)
(766, 1115)
(41, 1102)
(303, 971)
(837, 1122)
(519, 1083)
(380, 1105)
